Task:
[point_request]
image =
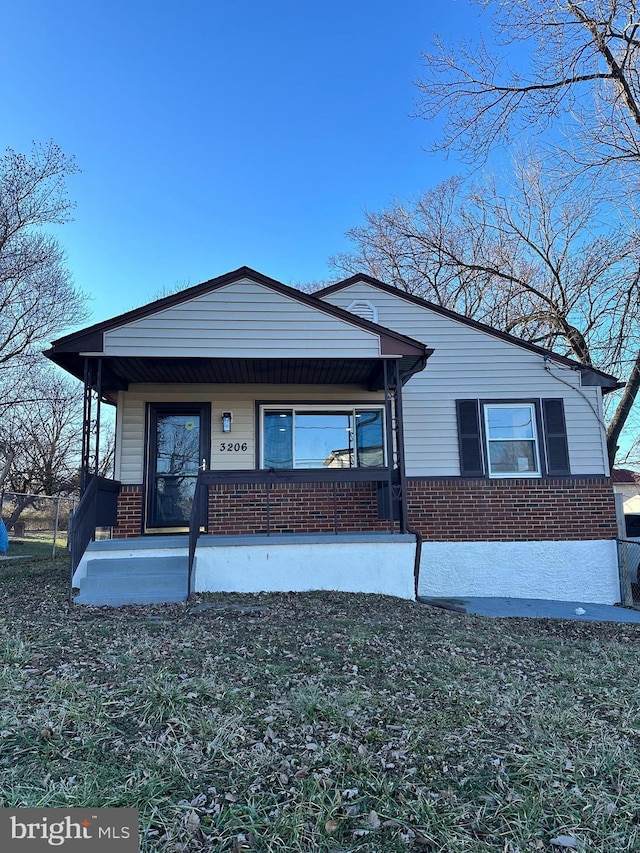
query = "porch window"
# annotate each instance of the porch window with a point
(336, 437)
(512, 441)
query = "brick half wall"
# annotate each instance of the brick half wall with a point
(458, 510)
(129, 512)
(293, 508)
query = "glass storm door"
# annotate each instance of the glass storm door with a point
(178, 447)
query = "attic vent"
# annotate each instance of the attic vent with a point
(363, 308)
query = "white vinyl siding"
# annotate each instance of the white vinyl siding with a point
(241, 400)
(471, 364)
(241, 320)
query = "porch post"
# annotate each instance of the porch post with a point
(389, 418)
(98, 401)
(399, 430)
(92, 382)
(86, 427)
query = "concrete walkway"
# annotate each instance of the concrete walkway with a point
(536, 608)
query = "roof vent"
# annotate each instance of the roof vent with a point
(365, 309)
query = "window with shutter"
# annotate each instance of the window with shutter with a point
(505, 438)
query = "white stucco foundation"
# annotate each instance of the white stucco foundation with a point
(561, 571)
(382, 564)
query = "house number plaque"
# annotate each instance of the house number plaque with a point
(232, 446)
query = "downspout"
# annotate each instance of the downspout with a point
(443, 605)
(399, 430)
(404, 510)
(417, 558)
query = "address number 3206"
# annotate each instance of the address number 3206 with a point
(232, 446)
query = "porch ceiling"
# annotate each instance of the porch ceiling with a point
(120, 372)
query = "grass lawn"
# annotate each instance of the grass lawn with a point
(320, 722)
(37, 544)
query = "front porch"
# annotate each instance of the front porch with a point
(246, 408)
(155, 569)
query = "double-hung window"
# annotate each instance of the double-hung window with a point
(512, 440)
(327, 437)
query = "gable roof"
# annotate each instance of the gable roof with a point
(88, 339)
(131, 364)
(590, 375)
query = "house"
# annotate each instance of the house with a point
(626, 487)
(359, 439)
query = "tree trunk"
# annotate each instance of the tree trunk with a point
(22, 502)
(4, 471)
(622, 412)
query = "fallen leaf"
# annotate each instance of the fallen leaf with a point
(374, 820)
(192, 822)
(331, 826)
(564, 841)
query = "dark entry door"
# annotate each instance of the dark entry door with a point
(179, 439)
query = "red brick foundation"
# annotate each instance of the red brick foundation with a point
(512, 510)
(294, 508)
(129, 512)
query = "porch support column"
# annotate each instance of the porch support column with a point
(92, 383)
(399, 436)
(390, 455)
(96, 463)
(86, 427)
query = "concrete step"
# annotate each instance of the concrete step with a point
(121, 599)
(136, 566)
(140, 580)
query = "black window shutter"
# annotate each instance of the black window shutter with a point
(555, 437)
(469, 438)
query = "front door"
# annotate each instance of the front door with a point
(179, 441)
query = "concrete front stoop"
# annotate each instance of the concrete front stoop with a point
(144, 579)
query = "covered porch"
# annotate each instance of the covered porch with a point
(295, 433)
(244, 529)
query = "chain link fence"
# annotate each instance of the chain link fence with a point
(37, 525)
(629, 562)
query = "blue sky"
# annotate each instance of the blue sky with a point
(213, 135)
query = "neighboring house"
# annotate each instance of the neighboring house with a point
(626, 484)
(347, 440)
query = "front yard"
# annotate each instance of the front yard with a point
(320, 722)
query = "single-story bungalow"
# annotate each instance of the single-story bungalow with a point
(358, 439)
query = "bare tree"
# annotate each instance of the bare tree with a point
(564, 72)
(566, 66)
(44, 441)
(539, 259)
(37, 297)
